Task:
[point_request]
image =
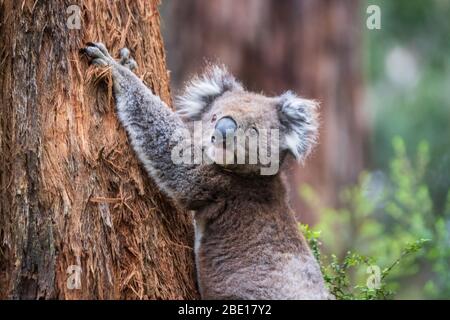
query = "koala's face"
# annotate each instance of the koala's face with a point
(241, 132)
(247, 132)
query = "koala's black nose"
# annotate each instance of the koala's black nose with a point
(224, 127)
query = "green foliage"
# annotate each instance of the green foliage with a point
(338, 274)
(382, 217)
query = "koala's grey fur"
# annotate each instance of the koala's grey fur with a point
(247, 243)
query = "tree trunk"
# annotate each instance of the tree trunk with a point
(78, 216)
(309, 46)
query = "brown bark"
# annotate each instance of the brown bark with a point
(71, 189)
(309, 46)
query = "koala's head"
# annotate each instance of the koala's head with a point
(243, 131)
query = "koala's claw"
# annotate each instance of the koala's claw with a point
(126, 60)
(124, 53)
(97, 54)
(99, 46)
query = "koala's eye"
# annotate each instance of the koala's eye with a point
(214, 118)
(253, 131)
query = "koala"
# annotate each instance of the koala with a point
(247, 243)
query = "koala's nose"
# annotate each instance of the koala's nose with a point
(224, 127)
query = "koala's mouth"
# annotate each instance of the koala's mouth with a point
(222, 153)
(221, 143)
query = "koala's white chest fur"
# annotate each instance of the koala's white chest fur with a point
(199, 227)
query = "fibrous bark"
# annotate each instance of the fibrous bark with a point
(71, 190)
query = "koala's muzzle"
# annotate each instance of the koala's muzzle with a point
(224, 128)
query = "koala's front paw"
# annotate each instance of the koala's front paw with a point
(97, 54)
(126, 60)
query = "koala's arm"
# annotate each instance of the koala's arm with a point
(153, 130)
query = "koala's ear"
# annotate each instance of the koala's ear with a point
(299, 124)
(202, 90)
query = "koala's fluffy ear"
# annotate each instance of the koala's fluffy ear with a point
(202, 90)
(299, 124)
